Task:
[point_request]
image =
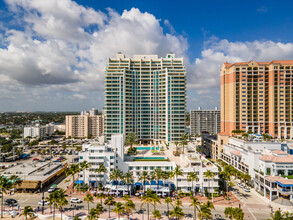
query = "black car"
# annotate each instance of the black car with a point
(10, 201)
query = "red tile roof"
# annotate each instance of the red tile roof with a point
(277, 159)
(236, 152)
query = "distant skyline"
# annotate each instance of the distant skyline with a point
(53, 53)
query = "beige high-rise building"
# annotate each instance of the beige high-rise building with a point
(84, 125)
(257, 96)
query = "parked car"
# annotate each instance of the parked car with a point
(75, 200)
(13, 214)
(44, 201)
(246, 189)
(35, 159)
(52, 188)
(10, 201)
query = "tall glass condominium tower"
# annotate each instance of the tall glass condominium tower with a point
(145, 95)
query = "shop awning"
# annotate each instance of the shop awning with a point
(79, 182)
(137, 184)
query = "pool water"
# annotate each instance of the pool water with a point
(149, 158)
(147, 148)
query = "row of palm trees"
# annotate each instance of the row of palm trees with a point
(157, 174)
(227, 171)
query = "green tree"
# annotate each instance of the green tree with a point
(131, 139)
(101, 169)
(144, 177)
(109, 201)
(176, 145)
(116, 175)
(73, 169)
(147, 199)
(156, 214)
(196, 206)
(177, 213)
(177, 172)
(84, 165)
(119, 209)
(89, 199)
(5, 185)
(27, 212)
(101, 196)
(211, 176)
(128, 179)
(156, 174)
(184, 138)
(168, 201)
(129, 206)
(192, 176)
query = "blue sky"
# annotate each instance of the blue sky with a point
(53, 53)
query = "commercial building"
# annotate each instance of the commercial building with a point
(270, 165)
(36, 174)
(111, 155)
(205, 121)
(212, 145)
(257, 96)
(38, 130)
(145, 95)
(84, 125)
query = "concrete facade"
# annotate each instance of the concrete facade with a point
(257, 96)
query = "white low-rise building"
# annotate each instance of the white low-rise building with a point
(270, 164)
(111, 155)
(38, 131)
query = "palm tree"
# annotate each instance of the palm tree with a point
(62, 202)
(129, 206)
(147, 199)
(156, 199)
(119, 209)
(99, 208)
(131, 139)
(101, 196)
(144, 177)
(89, 198)
(184, 138)
(27, 211)
(157, 175)
(116, 175)
(84, 165)
(177, 213)
(109, 201)
(229, 212)
(53, 199)
(205, 210)
(176, 144)
(210, 175)
(128, 179)
(167, 201)
(100, 170)
(156, 214)
(177, 172)
(192, 176)
(73, 169)
(16, 181)
(5, 185)
(196, 205)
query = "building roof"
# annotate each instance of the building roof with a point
(279, 152)
(236, 152)
(280, 180)
(282, 62)
(277, 159)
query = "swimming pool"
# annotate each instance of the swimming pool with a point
(150, 158)
(147, 148)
